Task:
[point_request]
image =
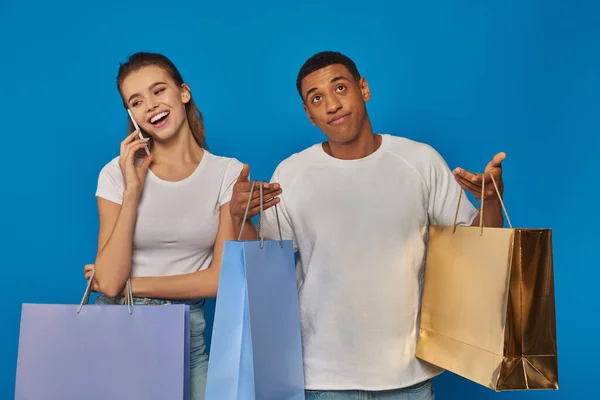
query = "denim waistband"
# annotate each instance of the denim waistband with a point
(102, 299)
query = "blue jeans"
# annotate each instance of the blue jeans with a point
(420, 391)
(198, 356)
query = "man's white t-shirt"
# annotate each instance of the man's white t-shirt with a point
(361, 229)
(177, 222)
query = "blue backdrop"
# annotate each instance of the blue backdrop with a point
(470, 78)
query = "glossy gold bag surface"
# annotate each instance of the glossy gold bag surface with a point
(488, 311)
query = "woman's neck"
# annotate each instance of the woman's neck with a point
(181, 149)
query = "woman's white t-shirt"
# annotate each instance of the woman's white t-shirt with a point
(177, 222)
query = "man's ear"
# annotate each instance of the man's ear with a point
(364, 89)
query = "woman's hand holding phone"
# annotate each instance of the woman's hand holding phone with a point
(133, 175)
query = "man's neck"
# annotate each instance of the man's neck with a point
(363, 146)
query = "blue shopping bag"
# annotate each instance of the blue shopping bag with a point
(99, 352)
(256, 348)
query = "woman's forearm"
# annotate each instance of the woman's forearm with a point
(178, 287)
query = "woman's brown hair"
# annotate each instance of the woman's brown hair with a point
(140, 60)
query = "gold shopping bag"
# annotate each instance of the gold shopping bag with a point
(488, 310)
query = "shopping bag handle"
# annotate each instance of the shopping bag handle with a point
(86, 296)
(261, 234)
(482, 200)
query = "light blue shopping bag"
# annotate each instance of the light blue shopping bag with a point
(256, 350)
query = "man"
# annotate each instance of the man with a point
(358, 208)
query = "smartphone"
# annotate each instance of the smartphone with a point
(137, 128)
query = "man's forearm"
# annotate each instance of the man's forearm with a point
(492, 214)
(249, 233)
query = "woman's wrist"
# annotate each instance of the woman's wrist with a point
(131, 195)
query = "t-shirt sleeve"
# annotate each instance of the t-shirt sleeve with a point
(444, 194)
(231, 175)
(278, 217)
(110, 183)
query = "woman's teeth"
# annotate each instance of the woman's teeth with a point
(158, 117)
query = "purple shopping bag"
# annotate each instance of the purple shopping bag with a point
(90, 352)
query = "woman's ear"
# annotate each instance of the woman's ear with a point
(186, 93)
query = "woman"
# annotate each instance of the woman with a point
(164, 217)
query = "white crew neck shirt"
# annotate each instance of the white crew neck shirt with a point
(177, 221)
(361, 229)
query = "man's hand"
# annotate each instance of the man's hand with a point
(472, 182)
(241, 193)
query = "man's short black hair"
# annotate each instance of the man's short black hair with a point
(322, 60)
